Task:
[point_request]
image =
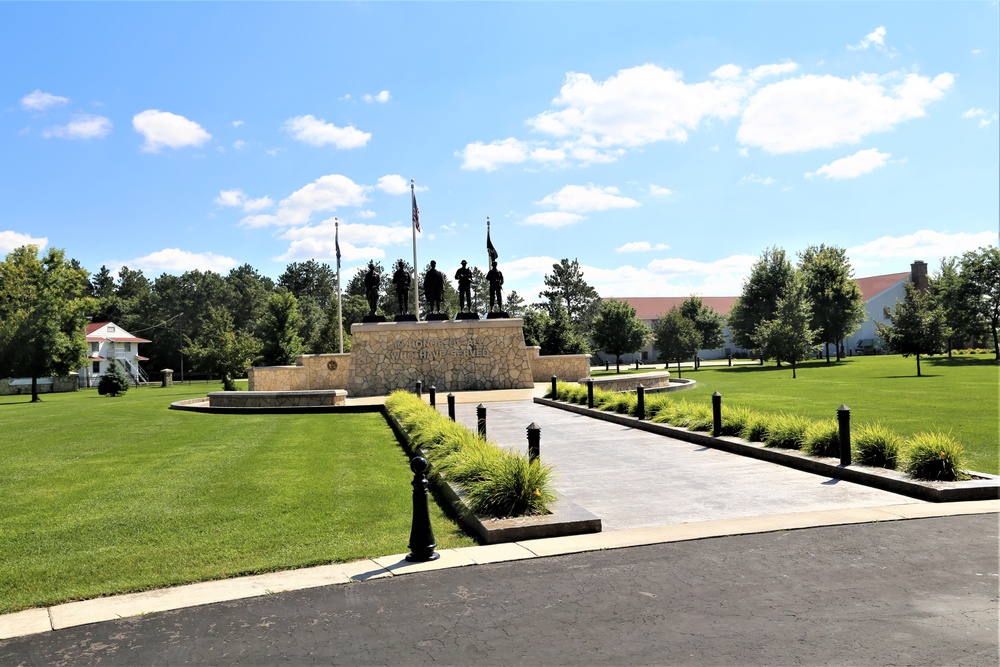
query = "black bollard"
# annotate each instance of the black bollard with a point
(420, 388)
(432, 392)
(481, 419)
(607, 366)
(762, 360)
(844, 422)
(730, 360)
(716, 414)
(422, 542)
(555, 391)
(534, 441)
(451, 406)
(590, 393)
(636, 364)
(640, 406)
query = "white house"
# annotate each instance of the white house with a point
(879, 292)
(107, 344)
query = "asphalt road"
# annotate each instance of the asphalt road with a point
(918, 592)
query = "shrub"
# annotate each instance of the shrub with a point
(655, 404)
(786, 431)
(496, 481)
(622, 403)
(822, 438)
(700, 417)
(933, 456)
(114, 382)
(876, 445)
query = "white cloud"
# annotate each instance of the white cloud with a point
(812, 112)
(237, 123)
(758, 180)
(358, 242)
(382, 97)
(317, 132)
(258, 204)
(239, 144)
(162, 129)
(327, 193)
(231, 197)
(175, 260)
(636, 106)
(986, 118)
(925, 244)
(490, 157)
(39, 101)
(861, 163)
(552, 219)
(743, 152)
(729, 71)
(776, 69)
(641, 246)
(582, 199)
(393, 184)
(659, 191)
(82, 126)
(12, 240)
(875, 38)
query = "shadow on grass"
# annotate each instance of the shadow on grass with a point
(957, 361)
(770, 367)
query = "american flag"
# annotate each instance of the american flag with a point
(336, 242)
(416, 211)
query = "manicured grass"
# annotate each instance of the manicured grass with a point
(106, 495)
(957, 396)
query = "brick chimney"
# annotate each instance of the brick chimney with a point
(918, 274)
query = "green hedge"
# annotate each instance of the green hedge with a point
(497, 482)
(925, 456)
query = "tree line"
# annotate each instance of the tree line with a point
(208, 322)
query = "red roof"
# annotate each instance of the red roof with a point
(96, 326)
(875, 285)
(651, 307)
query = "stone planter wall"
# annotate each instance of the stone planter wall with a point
(566, 367)
(630, 382)
(314, 371)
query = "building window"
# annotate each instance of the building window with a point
(128, 347)
(886, 315)
(94, 347)
(111, 329)
(96, 370)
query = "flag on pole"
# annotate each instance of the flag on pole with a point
(490, 250)
(336, 242)
(416, 211)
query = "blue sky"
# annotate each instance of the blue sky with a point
(663, 145)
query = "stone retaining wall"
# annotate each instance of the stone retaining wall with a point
(22, 386)
(449, 355)
(276, 399)
(630, 382)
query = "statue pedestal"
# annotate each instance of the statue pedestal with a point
(498, 315)
(372, 319)
(465, 355)
(436, 317)
(405, 318)
(466, 316)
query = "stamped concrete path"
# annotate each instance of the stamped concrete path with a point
(632, 479)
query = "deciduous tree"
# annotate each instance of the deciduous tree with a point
(43, 306)
(709, 323)
(220, 348)
(617, 330)
(675, 337)
(981, 278)
(278, 331)
(838, 308)
(768, 280)
(917, 325)
(789, 335)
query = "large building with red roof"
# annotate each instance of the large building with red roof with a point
(879, 292)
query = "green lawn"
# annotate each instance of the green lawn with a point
(107, 495)
(957, 396)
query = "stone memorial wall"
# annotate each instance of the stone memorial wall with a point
(452, 356)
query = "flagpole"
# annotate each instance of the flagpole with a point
(489, 259)
(340, 311)
(413, 229)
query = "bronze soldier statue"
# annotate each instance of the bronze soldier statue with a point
(434, 288)
(401, 279)
(495, 279)
(464, 278)
(372, 284)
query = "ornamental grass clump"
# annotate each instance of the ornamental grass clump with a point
(786, 431)
(755, 428)
(656, 404)
(700, 417)
(622, 403)
(822, 438)
(496, 482)
(933, 456)
(735, 419)
(875, 445)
